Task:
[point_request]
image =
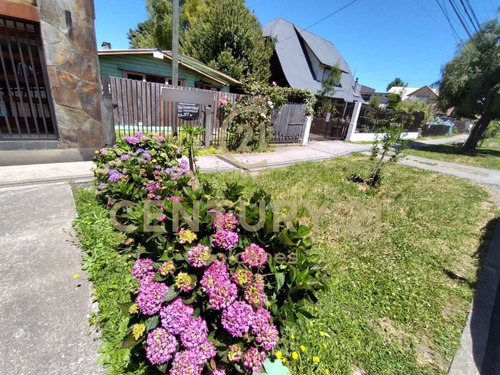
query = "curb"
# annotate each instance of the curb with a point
(473, 355)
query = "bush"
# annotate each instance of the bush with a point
(217, 280)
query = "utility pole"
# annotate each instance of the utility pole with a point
(175, 42)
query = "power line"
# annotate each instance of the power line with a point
(468, 15)
(430, 15)
(446, 15)
(460, 18)
(473, 13)
(321, 20)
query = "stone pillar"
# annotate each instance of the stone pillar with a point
(70, 47)
(307, 130)
(354, 121)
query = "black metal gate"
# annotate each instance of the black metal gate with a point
(332, 127)
(25, 104)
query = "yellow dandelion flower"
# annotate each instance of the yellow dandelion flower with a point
(138, 330)
(303, 348)
(292, 337)
(321, 333)
(325, 346)
(309, 331)
(90, 204)
(455, 343)
(316, 308)
(316, 359)
(283, 360)
(76, 276)
(279, 354)
(311, 323)
(327, 372)
(295, 355)
(331, 314)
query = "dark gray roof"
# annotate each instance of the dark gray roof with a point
(296, 65)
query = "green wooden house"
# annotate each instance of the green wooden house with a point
(153, 65)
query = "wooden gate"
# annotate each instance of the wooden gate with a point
(333, 128)
(288, 124)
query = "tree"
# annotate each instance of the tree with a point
(396, 82)
(471, 81)
(329, 83)
(393, 100)
(228, 37)
(156, 32)
(143, 35)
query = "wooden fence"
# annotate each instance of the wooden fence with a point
(137, 106)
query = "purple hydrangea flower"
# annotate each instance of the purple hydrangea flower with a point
(226, 239)
(254, 359)
(254, 256)
(199, 255)
(132, 140)
(175, 199)
(176, 316)
(260, 318)
(125, 157)
(160, 346)
(150, 297)
(143, 269)
(215, 282)
(101, 186)
(186, 363)
(195, 333)
(114, 175)
(219, 371)
(236, 318)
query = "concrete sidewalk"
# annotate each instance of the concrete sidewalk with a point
(19, 175)
(44, 309)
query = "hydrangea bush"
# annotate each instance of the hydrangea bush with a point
(213, 293)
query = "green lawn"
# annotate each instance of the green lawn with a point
(485, 156)
(403, 261)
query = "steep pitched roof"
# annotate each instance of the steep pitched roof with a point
(290, 40)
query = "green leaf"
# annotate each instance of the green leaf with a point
(129, 341)
(170, 295)
(280, 280)
(151, 323)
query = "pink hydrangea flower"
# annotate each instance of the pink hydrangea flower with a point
(254, 359)
(267, 336)
(176, 316)
(160, 346)
(205, 352)
(227, 221)
(185, 363)
(225, 239)
(219, 371)
(143, 269)
(199, 255)
(236, 318)
(150, 297)
(254, 256)
(195, 333)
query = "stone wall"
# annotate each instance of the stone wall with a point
(69, 41)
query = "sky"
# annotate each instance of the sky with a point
(379, 39)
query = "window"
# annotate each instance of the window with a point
(151, 78)
(326, 74)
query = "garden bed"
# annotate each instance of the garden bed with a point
(403, 261)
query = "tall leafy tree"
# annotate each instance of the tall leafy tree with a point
(228, 37)
(471, 81)
(156, 32)
(396, 82)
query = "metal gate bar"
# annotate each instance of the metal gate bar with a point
(25, 105)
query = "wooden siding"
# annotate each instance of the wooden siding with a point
(113, 65)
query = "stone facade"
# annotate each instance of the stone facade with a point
(70, 48)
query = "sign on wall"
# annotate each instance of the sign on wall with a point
(188, 111)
